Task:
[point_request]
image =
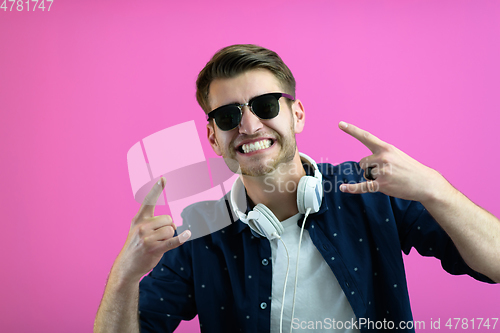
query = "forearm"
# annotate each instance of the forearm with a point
(118, 311)
(474, 231)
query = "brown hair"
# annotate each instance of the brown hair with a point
(233, 60)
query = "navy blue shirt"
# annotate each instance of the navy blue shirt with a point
(225, 277)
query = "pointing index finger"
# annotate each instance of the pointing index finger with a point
(149, 203)
(369, 140)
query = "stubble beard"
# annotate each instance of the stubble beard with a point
(286, 154)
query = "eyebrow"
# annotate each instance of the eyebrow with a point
(251, 98)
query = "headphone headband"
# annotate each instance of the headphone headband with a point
(317, 173)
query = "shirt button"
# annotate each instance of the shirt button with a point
(265, 262)
(263, 305)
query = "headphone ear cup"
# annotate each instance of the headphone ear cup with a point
(309, 194)
(267, 223)
(301, 191)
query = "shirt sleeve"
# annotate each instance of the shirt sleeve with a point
(166, 294)
(418, 229)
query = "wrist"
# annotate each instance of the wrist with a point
(119, 279)
(437, 190)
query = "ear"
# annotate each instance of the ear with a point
(299, 116)
(212, 138)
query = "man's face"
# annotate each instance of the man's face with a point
(279, 132)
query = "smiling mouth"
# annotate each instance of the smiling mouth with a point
(254, 146)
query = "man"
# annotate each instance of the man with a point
(351, 274)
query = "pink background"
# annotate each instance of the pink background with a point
(81, 84)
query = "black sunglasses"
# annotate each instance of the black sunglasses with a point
(267, 106)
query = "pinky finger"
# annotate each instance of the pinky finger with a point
(359, 188)
(177, 241)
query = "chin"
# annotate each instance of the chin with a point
(265, 166)
(257, 171)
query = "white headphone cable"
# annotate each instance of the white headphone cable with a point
(297, 267)
(284, 286)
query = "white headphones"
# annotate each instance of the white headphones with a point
(261, 220)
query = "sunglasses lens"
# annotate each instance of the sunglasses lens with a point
(228, 117)
(266, 107)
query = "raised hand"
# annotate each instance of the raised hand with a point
(392, 172)
(149, 238)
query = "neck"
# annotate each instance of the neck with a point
(277, 190)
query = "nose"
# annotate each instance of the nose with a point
(250, 123)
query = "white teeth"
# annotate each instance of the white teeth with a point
(248, 148)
